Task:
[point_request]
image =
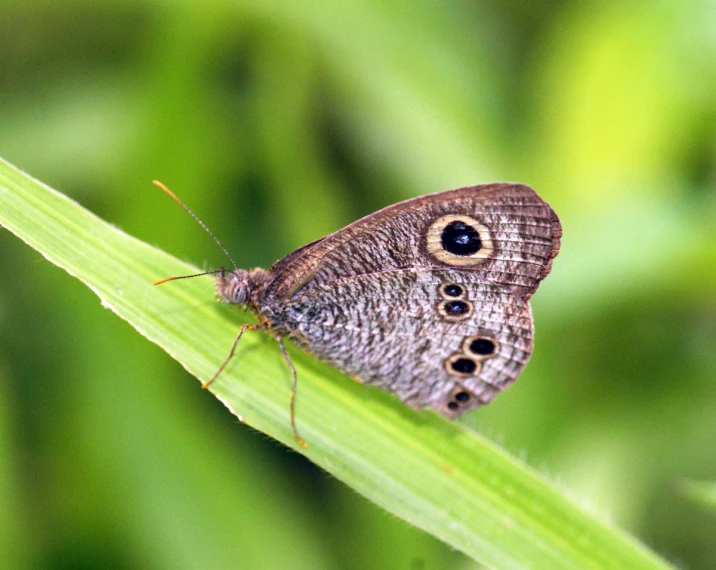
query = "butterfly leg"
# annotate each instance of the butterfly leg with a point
(243, 329)
(292, 404)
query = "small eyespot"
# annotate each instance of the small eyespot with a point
(462, 365)
(452, 290)
(462, 396)
(459, 240)
(480, 346)
(459, 400)
(456, 310)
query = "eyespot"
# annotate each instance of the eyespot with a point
(462, 365)
(460, 398)
(451, 290)
(456, 310)
(459, 240)
(480, 346)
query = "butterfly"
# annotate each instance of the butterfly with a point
(427, 298)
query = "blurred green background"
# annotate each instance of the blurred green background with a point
(279, 122)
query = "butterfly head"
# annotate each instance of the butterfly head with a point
(242, 287)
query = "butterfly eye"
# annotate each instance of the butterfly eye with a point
(456, 310)
(480, 346)
(462, 365)
(459, 240)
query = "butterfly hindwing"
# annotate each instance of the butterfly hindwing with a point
(422, 344)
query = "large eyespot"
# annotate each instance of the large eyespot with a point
(451, 291)
(480, 346)
(459, 240)
(462, 365)
(455, 310)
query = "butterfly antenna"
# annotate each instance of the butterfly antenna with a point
(202, 224)
(188, 276)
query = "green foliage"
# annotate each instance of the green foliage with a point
(699, 492)
(278, 122)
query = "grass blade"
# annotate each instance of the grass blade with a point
(702, 493)
(433, 473)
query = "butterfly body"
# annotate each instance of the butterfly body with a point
(427, 299)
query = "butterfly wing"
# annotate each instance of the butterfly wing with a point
(426, 298)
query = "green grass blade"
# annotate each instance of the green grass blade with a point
(702, 493)
(435, 474)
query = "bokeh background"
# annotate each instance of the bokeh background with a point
(279, 122)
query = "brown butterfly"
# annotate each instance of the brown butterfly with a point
(427, 299)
